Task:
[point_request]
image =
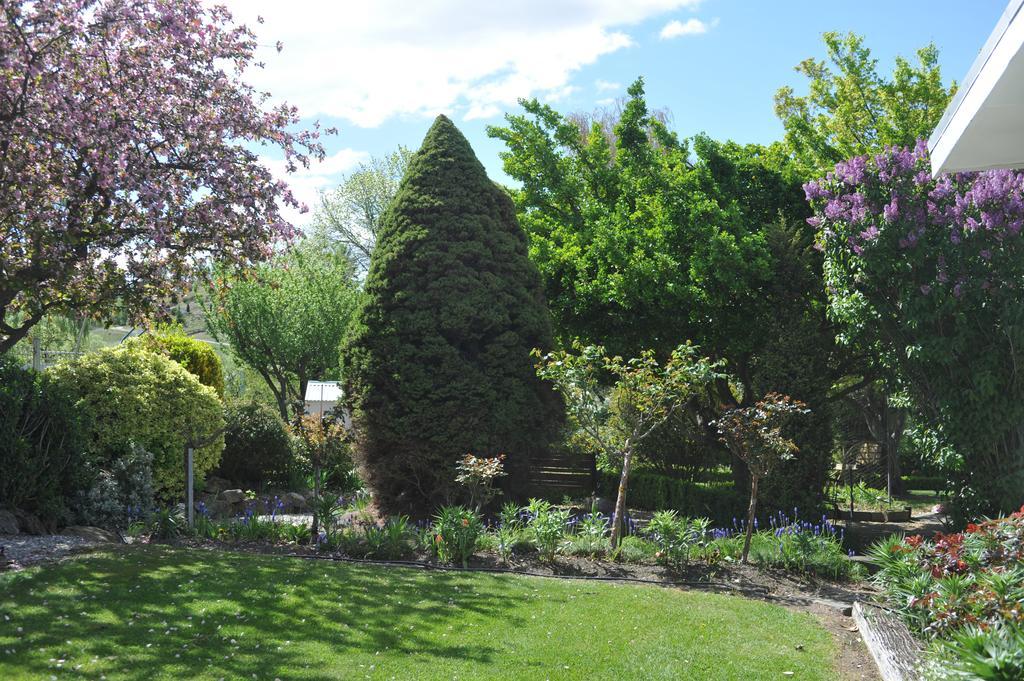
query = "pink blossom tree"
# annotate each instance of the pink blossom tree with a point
(127, 139)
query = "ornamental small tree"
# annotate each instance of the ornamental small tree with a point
(644, 395)
(437, 362)
(754, 435)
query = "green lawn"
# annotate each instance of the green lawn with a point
(161, 613)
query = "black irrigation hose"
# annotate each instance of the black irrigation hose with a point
(525, 573)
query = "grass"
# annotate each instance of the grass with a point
(163, 613)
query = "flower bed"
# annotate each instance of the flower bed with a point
(964, 592)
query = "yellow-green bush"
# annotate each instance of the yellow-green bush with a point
(129, 395)
(196, 356)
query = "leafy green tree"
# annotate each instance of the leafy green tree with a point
(850, 109)
(634, 251)
(644, 396)
(438, 363)
(653, 242)
(127, 396)
(286, 319)
(350, 215)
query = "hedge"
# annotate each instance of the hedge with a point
(649, 491)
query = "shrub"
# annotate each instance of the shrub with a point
(257, 447)
(438, 359)
(122, 492)
(41, 443)
(457, 531)
(198, 358)
(128, 395)
(964, 591)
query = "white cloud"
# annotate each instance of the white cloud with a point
(560, 93)
(606, 86)
(676, 28)
(606, 101)
(367, 62)
(306, 184)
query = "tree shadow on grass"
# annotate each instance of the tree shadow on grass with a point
(155, 611)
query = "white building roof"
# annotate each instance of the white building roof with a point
(323, 391)
(983, 127)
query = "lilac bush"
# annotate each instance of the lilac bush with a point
(926, 276)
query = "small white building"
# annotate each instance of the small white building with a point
(322, 397)
(983, 127)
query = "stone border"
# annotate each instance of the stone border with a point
(896, 652)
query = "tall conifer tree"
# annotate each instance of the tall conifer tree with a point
(438, 362)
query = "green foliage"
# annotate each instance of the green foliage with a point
(850, 109)
(457, 531)
(390, 542)
(964, 590)
(634, 249)
(121, 492)
(196, 356)
(41, 443)
(257, 447)
(285, 319)
(546, 526)
(676, 537)
(650, 491)
(923, 276)
(165, 524)
(128, 395)
(438, 362)
(976, 654)
(644, 393)
(643, 243)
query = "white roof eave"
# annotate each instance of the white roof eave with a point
(982, 127)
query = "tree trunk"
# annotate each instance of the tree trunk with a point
(620, 500)
(751, 511)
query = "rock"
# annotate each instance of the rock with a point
(294, 502)
(96, 534)
(231, 496)
(8, 523)
(29, 524)
(214, 485)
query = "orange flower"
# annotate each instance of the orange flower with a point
(437, 539)
(465, 522)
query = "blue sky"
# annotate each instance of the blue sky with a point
(381, 70)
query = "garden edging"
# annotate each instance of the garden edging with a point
(896, 652)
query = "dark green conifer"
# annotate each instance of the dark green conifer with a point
(438, 362)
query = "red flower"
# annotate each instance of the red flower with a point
(973, 527)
